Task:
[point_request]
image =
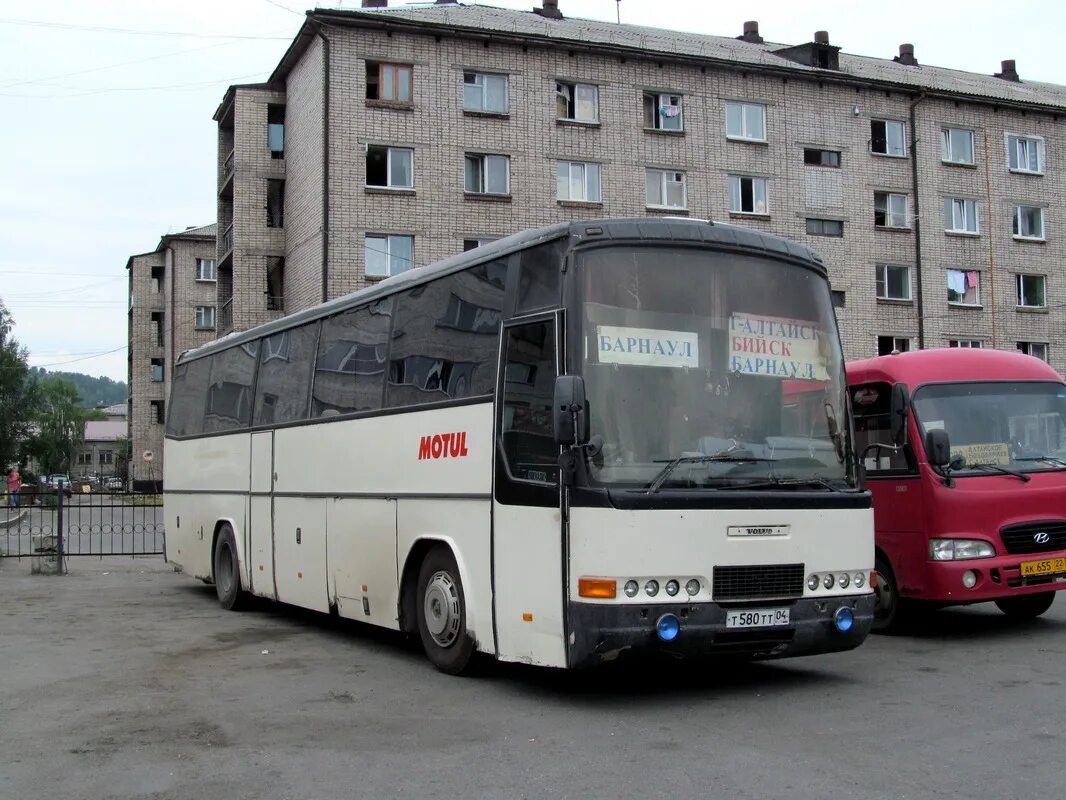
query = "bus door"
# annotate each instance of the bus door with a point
(259, 532)
(528, 545)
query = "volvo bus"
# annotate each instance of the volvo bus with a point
(969, 504)
(573, 444)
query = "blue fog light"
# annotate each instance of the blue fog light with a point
(668, 627)
(844, 618)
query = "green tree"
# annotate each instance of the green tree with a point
(122, 459)
(15, 411)
(59, 424)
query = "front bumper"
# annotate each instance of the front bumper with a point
(997, 577)
(602, 632)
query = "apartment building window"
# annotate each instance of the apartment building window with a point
(964, 287)
(205, 269)
(1028, 222)
(390, 82)
(957, 146)
(887, 345)
(1035, 349)
(578, 181)
(972, 344)
(276, 130)
(157, 370)
(893, 282)
(107, 458)
(665, 189)
(888, 138)
(663, 112)
(158, 274)
(960, 215)
(158, 414)
(813, 157)
(85, 458)
(1025, 154)
(577, 102)
(839, 298)
(747, 195)
(745, 121)
(487, 174)
(471, 244)
(390, 167)
(275, 205)
(484, 92)
(205, 317)
(890, 210)
(1031, 291)
(825, 227)
(157, 318)
(388, 254)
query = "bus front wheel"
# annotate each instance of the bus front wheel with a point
(442, 613)
(1026, 606)
(886, 593)
(227, 573)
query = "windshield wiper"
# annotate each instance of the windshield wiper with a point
(997, 468)
(1061, 462)
(665, 472)
(770, 484)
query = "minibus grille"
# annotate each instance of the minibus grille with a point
(1034, 537)
(758, 582)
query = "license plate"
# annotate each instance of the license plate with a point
(1047, 566)
(757, 618)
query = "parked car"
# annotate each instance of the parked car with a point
(113, 484)
(55, 480)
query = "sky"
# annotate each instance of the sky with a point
(109, 143)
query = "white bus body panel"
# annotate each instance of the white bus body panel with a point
(259, 536)
(362, 552)
(300, 551)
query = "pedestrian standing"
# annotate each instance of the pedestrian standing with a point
(14, 486)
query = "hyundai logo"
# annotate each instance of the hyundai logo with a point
(1041, 538)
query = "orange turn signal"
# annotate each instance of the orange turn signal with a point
(600, 588)
(873, 579)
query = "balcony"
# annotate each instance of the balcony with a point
(225, 183)
(275, 303)
(225, 318)
(225, 245)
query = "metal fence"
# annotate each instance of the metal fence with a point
(69, 521)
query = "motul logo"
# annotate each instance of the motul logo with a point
(443, 445)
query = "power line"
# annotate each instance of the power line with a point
(195, 85)
(83, 358)
(137, 31)
(283, 8)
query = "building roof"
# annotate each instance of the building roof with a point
(105, 430)
(200, 232)
(116, 410)
(571, 32)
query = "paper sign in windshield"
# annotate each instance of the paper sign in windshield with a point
(991, 453)
(780, 348)
(647, 347)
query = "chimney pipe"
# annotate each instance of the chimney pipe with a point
(550, 9)
(821, 37)
(375, 3)
(906, 55)
(1009, 71)
(751, 33)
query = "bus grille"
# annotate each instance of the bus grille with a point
(1023, 538)
(758, 582)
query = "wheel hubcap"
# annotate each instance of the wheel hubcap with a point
(443, 611)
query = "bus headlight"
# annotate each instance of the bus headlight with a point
(651, 588)
(631, 588)
(860, 579)
(672, 587)
(692, 587)
(813, 582)
(959, 549)
(844, 580)
(828, 581)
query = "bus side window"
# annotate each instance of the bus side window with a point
(285, 375)
(870, 405)
(526, 437)
(350, 369)
(185, 411)
(229, 390)
(538, 275)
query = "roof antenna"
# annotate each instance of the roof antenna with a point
(618, 11)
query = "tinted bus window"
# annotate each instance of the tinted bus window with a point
(188, 394)
(229, 392)
(284, 385)
(538, 275)
(350, 370)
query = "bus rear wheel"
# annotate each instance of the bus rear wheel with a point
(227, 572)
(442, 613)
(1026, 606)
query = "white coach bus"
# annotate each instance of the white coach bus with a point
(577, 442)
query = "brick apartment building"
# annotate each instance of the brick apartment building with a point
(171, 309)
(392, 137)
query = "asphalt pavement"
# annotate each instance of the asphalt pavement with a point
(126, 680)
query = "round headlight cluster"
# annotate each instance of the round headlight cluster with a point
(651, 588)
(672, 587)
(631, 588)
(829, 580)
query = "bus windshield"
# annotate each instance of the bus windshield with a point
(710, 370)
(991, 424)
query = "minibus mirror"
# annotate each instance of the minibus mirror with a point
(938, 448)
(899, 409)
(570, 415)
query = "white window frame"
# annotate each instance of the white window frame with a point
(665, 177)
(584, 165)
(1019, 282)
(961, 210)
(386, 250)
(570, 90)
(903, 137)
(1017, 226)
(744, 135)
(946, 154)
(1027, 348)
(200, 270)
(890, 214)
(896, 341)
(486, 159)
(1013, 141)
(481, 84)
(388, 168)
(967, 344)
(977, 302)
(205, 317)
(881, 276)
(663, 100)
(736, 194)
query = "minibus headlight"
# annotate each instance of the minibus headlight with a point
(959, 549)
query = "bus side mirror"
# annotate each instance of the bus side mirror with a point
(571, 421)
(938, 448)
(899, 409)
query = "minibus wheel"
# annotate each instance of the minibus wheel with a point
(227, 573)
(886, 592)
(441, 607)
(1026, 606)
